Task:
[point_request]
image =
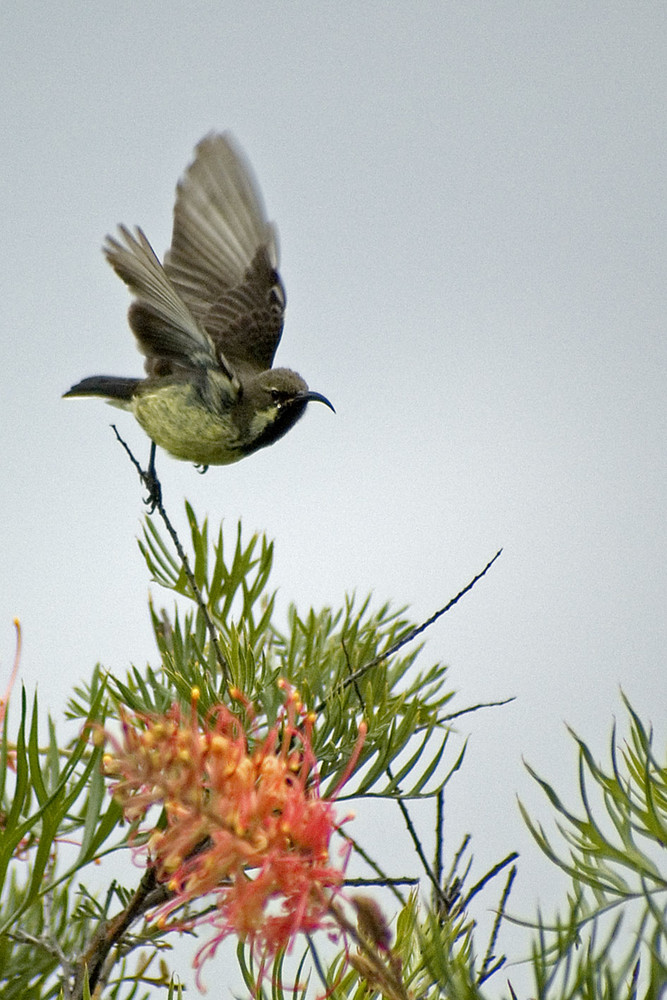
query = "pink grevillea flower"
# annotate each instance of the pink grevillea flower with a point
(244, 819)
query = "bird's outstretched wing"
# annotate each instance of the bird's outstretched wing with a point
(166, 331)
(223, 258)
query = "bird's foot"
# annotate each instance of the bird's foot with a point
(148, 477)
(152, 484)
(201, 469)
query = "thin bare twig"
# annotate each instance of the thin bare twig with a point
(383, 878)
(488, 969)
(408, 637)
(439, 835)
(414, 836)
(489, 875)
(475, 708)
(152, 483)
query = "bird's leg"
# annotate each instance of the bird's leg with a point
(152, 483)
(149, 477)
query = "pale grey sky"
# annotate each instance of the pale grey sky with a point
(470, 199)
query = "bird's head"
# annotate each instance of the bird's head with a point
(274, 401)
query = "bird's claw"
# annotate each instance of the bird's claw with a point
(152, 484)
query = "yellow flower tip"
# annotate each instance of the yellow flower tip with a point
(234, 693)
(171, 862)
(282, 683)
(17, 624)
(195, 694)
(311, 717)
(98, 737)
(107, 761)
(363, 728)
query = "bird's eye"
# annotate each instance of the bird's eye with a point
(276, 396)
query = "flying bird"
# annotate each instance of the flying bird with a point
(208, 320)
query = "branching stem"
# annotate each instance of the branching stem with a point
(150, 480)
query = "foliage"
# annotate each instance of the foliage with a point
(613, 936)
(61, 832)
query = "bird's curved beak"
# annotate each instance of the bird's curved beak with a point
(316, 397)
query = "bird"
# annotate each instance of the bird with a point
(208, 320)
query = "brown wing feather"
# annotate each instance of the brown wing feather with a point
(223, 257)
(163, 324)
(250, 317)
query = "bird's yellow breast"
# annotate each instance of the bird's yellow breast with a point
(175, 417)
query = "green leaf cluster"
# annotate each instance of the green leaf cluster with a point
(611, 941)
(60, 832)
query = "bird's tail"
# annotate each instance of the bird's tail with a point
(114, 388)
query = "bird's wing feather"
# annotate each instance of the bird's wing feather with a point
(161, 321)
(224, 255)
(250, 317)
